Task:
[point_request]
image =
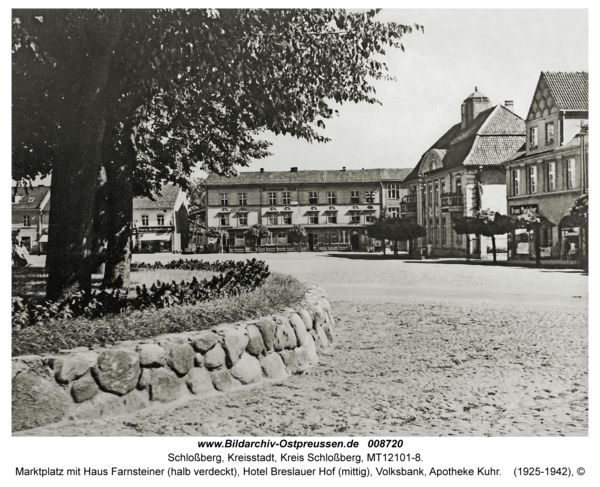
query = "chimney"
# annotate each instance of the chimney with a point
(262, 169)
(294, 169)
(473, 105)
(344, 168)
(509, 104)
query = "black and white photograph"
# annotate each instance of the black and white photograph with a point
(300, 242)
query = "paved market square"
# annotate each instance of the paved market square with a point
(423, 348)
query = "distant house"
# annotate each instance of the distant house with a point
(161, 224)
(447, 181)
(30, 216)
(550, 170)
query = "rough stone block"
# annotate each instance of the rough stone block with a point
(299, 328)
(165, 386)
(256, 345)
(199, 381)
(117, 371)
(322, 336)
(302, 357)
(152, 355)
(199, 360)
(37, 402)
(267, 330)
(223, 381)
(205, 340)
(84, 388)
(247, 369)
(215, 357)
(307, 318)
(273, 367)
(71, 367)
(180, 357)
(234, 342)
(311, 348)
(290, 360)
(324, 303)
(319, 314)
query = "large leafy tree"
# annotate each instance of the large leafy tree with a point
(257, 232)
(298, 232)
(467, 226)
(396, 230)
(490, 224)
(100, 72)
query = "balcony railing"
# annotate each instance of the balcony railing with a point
(452, 200)
(408, 205)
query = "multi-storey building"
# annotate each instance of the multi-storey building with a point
(161, 224)
(30, 214)
(335, 207)
(550, 170)
(461, 173)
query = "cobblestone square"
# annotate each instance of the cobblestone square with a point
(423, 348)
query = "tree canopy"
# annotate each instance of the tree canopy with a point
(153, 92)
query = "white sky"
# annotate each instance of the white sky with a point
(502, 52)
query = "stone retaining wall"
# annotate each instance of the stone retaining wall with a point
(91, 383)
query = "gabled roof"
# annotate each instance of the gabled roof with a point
(309, 177)
(494, 135)
(169, 193)
(569, 90)
(30, 198)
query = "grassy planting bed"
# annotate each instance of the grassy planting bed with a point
(277, 291)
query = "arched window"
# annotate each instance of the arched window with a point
(333, 237)
(282, 238)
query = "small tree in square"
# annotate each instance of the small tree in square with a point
(467, 226)
(489, 224)
(298, 232)
(257, 232)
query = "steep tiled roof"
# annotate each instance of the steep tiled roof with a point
(494, 135)
(167, 199)
(30, 197)
(300, 177)
(569, 90)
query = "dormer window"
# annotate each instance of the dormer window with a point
(533, 137)
(432, 166)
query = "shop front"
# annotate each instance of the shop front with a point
(570, 238)
(154, 239)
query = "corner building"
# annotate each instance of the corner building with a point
(550, 171)
(335, 207)
(461, 173)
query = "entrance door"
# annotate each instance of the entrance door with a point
(354, 240)
(313, 241)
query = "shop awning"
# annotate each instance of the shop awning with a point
(43, 238)
(155, 236)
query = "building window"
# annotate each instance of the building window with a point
(331, 197)
(437, 193)
(26, 220)
(533, 137)
(344, 238)
(354, 198)
(551, 176)
(242, 220)
(272, 198)
(240, 240)
(549, 133)
(313, 219)
(355, 218)
(444, 231)
(242, 199)
(443, 184)
(532, 179)
(332, 218)
(516, 178)
(272, 219)
(430, 191)
(312, 198)
(224, 199)
(282, 238)
(144, 220)
(369, 218)
(369, 196)
(286, 198)
(287, 218)
(160, 219)
(394, 212)
(458, 186)
(271, 239)
(571, 173)
(393, 191)
(224, 219)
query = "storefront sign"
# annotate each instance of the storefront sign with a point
(520, 209)
(154, 229)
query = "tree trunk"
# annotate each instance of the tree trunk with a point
(468, 248)
(494, 247)
(395, 248)
(120, 212)
(75, 181)
(410, 248)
